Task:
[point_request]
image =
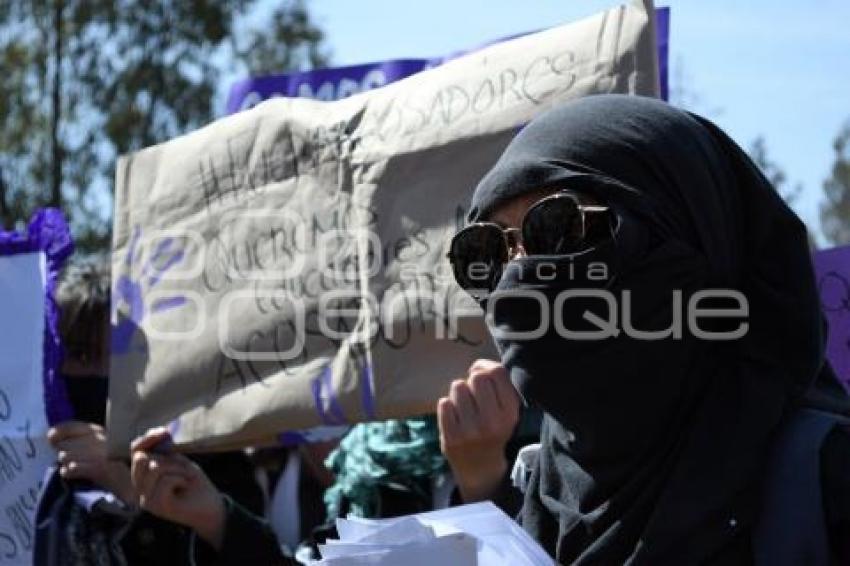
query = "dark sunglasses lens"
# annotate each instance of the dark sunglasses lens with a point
(478, 253)
(553, 227)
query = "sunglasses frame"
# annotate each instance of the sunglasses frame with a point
(512, 237)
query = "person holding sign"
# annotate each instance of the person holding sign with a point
(83, 298)
(176, 489)
(92, 497)
(651, 292)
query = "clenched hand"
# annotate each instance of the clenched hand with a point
(173, 487)
(476, 420)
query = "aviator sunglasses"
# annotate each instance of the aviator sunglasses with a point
(559, 224)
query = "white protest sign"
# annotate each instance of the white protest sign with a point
(28, 354)
(285, 267)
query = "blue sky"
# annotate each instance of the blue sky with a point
(775, 68)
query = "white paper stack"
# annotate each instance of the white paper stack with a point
(476, 534)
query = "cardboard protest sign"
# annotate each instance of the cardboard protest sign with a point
(832, 268)
(31, 395)
(285, 267)
(341, 82)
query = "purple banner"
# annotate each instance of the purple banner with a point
(322, 84)
(341, 82)
(832, 268)
(47, 232)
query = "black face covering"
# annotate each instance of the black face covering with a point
(652, 449)
(88, 395)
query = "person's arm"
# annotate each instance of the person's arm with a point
(835, 487)
(247, 539)
(173, 487)
(476, 420)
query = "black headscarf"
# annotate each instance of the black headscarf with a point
(652, 451)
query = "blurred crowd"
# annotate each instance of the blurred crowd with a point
(254, 506)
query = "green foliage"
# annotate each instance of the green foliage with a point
(774, 173)
(777, 177)
(835, 210)
(84, 81)
(292, 42)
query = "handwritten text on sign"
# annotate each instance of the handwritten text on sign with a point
(24, 451)
(340, 82)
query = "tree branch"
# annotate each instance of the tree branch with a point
(56, 181)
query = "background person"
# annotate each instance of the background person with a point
(83, 520)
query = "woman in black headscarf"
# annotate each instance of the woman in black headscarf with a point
(655, 449)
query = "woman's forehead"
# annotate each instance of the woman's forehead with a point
(509, 214)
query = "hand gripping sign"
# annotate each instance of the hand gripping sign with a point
(285, 267)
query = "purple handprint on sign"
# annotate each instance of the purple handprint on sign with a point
(129, 289)
(327, 403)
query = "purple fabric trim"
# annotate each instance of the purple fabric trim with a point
(47, 232)
(291, 438)
(662, 40)
(367, 386)
(332, 414)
